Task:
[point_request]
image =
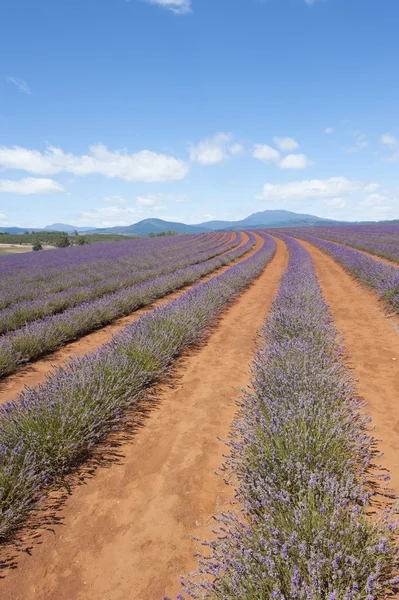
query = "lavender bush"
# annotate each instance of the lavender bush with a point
(46, 335)
(48, 430)
(382, 278)
(301, 452)
(378, 239)
(23, 303)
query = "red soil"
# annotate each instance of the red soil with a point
(125, 534)
(35, 373)
(372, 342)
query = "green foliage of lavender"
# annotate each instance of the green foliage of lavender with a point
(379, 239)
(46, 335)
(45, 300)
(50, 429)
(380, 277)
(302, 453)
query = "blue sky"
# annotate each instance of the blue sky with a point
(112, 111)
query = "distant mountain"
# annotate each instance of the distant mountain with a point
(258, 220)
(16, 229)
(270, 218)
(55, 227)
(153, 226)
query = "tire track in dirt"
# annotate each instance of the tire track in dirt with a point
(35, 373)
(125, 534)
(372, 341)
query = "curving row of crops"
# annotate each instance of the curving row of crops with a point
(40, 289)
(40, 337)
(50, 429)
(380, 277)
(380, 240)
(302, 455)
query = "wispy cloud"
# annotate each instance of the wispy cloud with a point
(388, 139)
(334, 187)
(178, 7)
(144, 165)
(286, 144)
(20, 84)
(30, 185)
(361, 142)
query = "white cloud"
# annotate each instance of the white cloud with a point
(110, 216)
(236, 149)
(393, 158)
(361, 142)
(179, 7)
(20, 83)
(295, 161)
(329, 130)
(115, 199)
(266, 153)
(335, 203)
(214, 150)
(311, 189)
(389, 140)
(3, 219)
(158, 200)
(144, 166)
(377, 206)
(30, 185)
(286, 144)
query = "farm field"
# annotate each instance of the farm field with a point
(7, 249)
(122, 370)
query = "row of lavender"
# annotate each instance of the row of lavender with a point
(39, 279)
(50, 429)
(302, 454)
(119, 277)
(46, 335)
(380, 277)
(80, 256)
(380, 240)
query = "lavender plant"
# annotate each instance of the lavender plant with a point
(380, 277)
(25, 303)
(50, 429)
(46, 335)
(301, 452)
(379, 239)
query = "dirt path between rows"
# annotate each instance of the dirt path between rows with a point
(35, 372)
(372, 341)
(381, 259)
(125, 534)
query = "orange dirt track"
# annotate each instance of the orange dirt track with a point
(35, 372)
(125, 533)
(371, 339)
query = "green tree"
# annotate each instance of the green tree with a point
(37, 246)
(151, 234)
(81, 241)
(62, 241)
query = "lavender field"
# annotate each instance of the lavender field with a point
(307, 521)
